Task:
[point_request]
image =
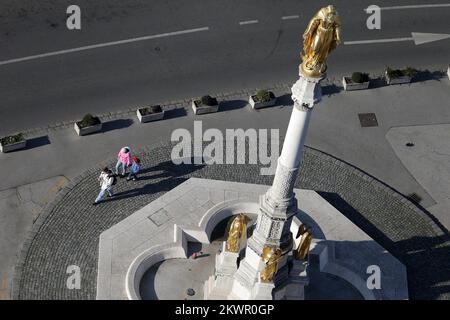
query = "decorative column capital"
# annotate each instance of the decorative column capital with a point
(306, 92)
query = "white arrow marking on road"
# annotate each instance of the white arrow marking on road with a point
(102, 45)
(419, 6)
(417, 37)
(420, 38)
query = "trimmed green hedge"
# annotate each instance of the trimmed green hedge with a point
(12, 139)
(359, 77)
(397, 73)
(206, 101)
(264, 96)
(209, 101)
(88, 121)
(150, 110)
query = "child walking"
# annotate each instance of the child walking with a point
(135, 168)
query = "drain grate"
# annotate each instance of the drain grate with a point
(368, 120)
(160, 217)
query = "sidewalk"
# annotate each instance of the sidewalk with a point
(428, 160)
(19, 209)
(335, 129)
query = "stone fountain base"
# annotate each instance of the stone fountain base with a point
(161, 231)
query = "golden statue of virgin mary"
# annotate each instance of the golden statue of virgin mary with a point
(320, 38)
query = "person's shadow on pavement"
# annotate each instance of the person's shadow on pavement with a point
(173, 174)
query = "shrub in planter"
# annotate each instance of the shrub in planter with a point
(151, 113)
(11, 143)
(208, 101)
(410, 72)
(89, 124)
(357, 81)
(88, 121)
(153, 109)
(397, 76)
(205, 104)
(264, 95)
(394, 73)
(359, 77)
(262, 99)
(12, 139)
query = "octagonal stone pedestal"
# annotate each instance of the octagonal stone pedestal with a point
(190, 212)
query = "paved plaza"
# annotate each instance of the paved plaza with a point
(68, 234)
(427, 158)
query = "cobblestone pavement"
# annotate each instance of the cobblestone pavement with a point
(68, 232)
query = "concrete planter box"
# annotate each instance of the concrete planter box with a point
(149, 117)
(399, 80)
(204, 109)
(349, 85)
(87, 130)
(259, 105)
(13, 146)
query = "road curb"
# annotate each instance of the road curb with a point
(168, 105)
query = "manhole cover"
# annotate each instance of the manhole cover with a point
(368, 120)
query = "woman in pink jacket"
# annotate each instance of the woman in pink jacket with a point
(123, 161)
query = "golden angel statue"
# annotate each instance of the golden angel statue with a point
(322, 36)
(270, 256)
(305, 242)
(237, 232)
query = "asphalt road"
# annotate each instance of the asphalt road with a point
(225, 56)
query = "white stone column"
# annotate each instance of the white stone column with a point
(295, 137)
(278, 206)
(305, 93)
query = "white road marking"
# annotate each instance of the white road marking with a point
(419, 6)
(102, 45)
(248, 22)
(290, 17)
(378, 40)
(417, 37)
